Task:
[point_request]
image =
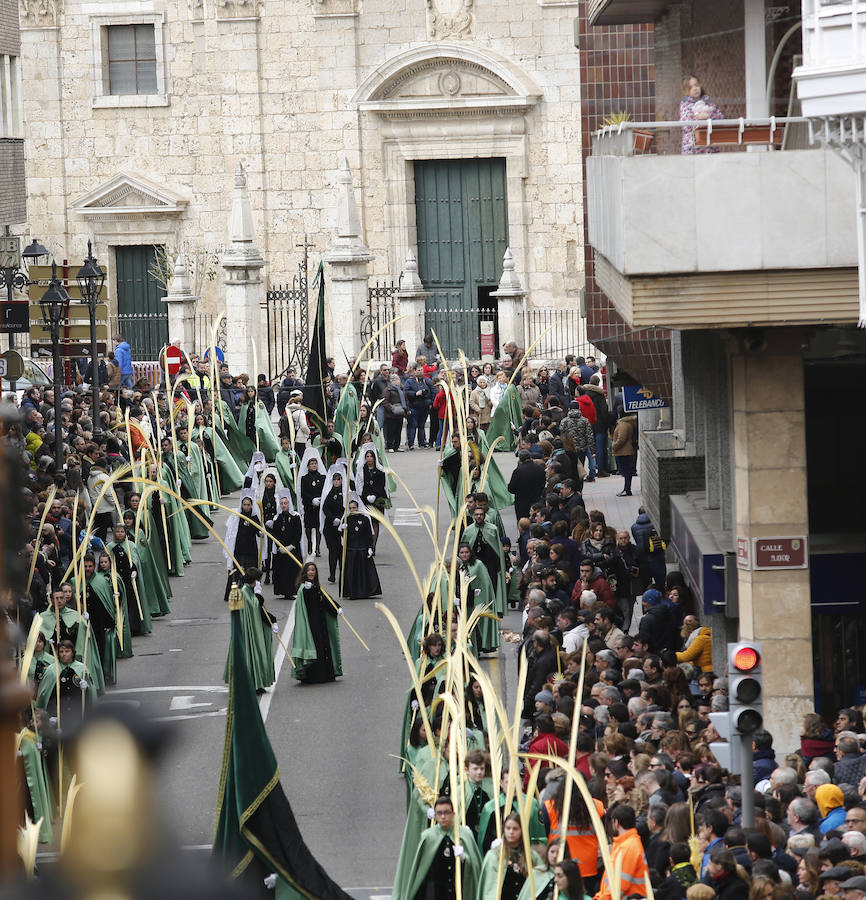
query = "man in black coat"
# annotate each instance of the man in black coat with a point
(526, 483)
(656, 625)
(541, 663)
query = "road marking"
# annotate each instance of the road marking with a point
(196, 689)
(279, 659)
(407, 516)
(184, 701)
(201, 715)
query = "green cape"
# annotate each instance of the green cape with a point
(267, 440)
(152, 574)
(258, 642)
(302, 649)
(230, 476)
(194, 485)
(537, 831)
(178, 530)
(428, 845)
(490, 882)
(486, 633)
(507, 416)
(541, 878)
(145, 587)
(286, 463)
(37, 785)
(346, 415)
(48, 685)
(491, 536)
(239, 445)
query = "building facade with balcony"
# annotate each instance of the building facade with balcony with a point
(13, 207)
(747, 253)
(451, 114)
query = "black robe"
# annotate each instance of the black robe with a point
(360, 578)
(287, 530)
(125, 568)
(374, 486)
(311, 489)
(333, 508)
(318, 606)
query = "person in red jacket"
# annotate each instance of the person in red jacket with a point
(440, 404)
(587, 407)
(592, 579)
(544, 740)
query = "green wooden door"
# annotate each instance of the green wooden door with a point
(141, 315)
(461, 212)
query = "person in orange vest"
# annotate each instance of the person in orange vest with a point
(626, 854)
(580, 839)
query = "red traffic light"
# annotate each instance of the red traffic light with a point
(746, 659)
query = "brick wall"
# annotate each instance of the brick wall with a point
(13, 208)
(10, 40)
(665, 470)
(617, 72)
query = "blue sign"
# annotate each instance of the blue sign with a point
(220, 355)
(638, 397)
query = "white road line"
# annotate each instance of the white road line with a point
(279, 659)
(196, 689)
(407, 516)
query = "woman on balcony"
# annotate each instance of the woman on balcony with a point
(696, 106)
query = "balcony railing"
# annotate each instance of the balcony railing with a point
(638, 138)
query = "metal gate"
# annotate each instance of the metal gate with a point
(382, 308)
(141, 316)
(287, 323)
(565, 333)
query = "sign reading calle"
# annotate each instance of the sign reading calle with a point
(780, 553)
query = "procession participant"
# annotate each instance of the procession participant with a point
(311, 482)
(286, 462)
(255, 423)
(472, 578)
(126, 565)
(174, 522)
(371, 484)
(41, 660)
(486, 546)
(315, 643)
(300, 427)
(104, 566)
(174, 459)
(230, 476)
(360, 579)
(255, 472)
(148, 537)
(540, 886)
(433, 873)
(288, 530)
(495, 807)
(86, 644)
(149, 584)
(505, 866)
(62, 686)
(268, 509)
(332, 508)
(243, 540)
(258, 634)
(239, 445)
(59, 623)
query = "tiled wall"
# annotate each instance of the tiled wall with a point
(617, 72)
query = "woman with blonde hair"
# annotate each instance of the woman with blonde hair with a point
(697, 644)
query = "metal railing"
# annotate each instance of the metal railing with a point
(382, 307)
(559, 332)
(460, 330)
(639, 138)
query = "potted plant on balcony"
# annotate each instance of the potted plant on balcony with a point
(641, 140)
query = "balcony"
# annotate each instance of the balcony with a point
(832, 78)
(720, 240)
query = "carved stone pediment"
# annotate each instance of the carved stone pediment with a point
(39, 13)
(129, 195)
(446, 78)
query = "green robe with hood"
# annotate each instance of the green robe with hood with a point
(493, 875)
(36, 780)
(287, 466)
(507, 417)
(48, 685)
(537, 832)
(230, 476)
(258, 642)
(491, 538)
(145, 586)
(485, 636)
(194, 488)
(154, 572)
(302, 649)
(267, 440)
(428, 846)
(239, 445)
(178, 530)
(542, 877)
(107, 646)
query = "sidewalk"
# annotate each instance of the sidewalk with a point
(620, 512)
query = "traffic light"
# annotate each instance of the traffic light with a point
(745, 692)
(728, 751)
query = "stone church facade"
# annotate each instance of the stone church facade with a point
(138, 112)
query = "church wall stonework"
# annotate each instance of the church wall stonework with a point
(278, 86)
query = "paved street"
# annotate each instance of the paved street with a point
(335, 743)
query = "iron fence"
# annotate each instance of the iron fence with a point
(204, 332)
(287, 323)
(381, 310)
(472, 331)
(561, 331)
(147, 333)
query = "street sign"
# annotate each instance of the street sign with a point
(780, 553)
(14, 317)
(743, 558)
(171, 357)
(637, 397)
(488, 342)
(219, 354)
(14, 363)
(2, 368)
(10, 252)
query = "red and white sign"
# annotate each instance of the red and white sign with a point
(171, 357)
(780, 553)
(743, 560)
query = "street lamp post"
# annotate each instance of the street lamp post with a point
(90, 280)
(15, 275)
(55, 307)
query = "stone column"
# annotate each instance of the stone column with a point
(412, 297)
(511, 311)
(770, 487)
(244, 289)
(347, 292)
(181, 305)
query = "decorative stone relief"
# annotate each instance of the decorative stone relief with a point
(40, 13)
(237, 9)
(196, 10)
(450, 19)
(126, 196)
(322, 9)
(445, 78)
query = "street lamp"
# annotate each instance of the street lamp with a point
(15, 277)
(55, 307)
(90, 280)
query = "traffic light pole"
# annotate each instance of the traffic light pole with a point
(747, 781)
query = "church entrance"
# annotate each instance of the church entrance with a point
(461, 209)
